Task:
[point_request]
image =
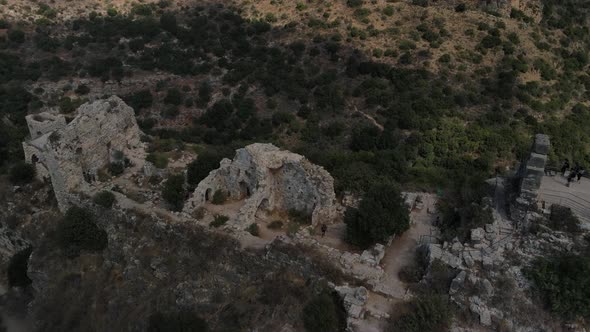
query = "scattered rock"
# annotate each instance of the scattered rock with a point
(477, 235)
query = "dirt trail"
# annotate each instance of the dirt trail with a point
(402, 253)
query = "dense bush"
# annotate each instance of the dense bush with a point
(564, 284)
(381, 214)
(17, 269)
(104, 199)
(218, 221)
(174, 192)
(426, 313)
(22, 173)
(206, 161)
(324, 313)
(253, 229)
(563, 219)
(219, 197)
(77, 231)
(183, 321)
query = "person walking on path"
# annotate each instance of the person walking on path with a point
(580, 173)
(565, 167)
(571, 177)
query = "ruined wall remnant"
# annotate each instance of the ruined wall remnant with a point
(71, 155)
(270, 179)
(529, 176)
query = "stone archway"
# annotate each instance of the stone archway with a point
(208, 194)
(244, 190)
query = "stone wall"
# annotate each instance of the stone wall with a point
(73, 154)
(270, 179)
(529, 178)
(43, 123)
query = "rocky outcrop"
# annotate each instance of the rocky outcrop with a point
(270, 179)
(71, 156)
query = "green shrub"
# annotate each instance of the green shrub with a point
(16, 36)
(253, 229)
(82, 89)
(324, 313)
(388, 10)
(158, 159)
(116, 168)
(173, 97)
(183, 321)
(77, 231)
(17, 269)
(427, 313)
(422, 3)
(112, 12)
(206, 161)
(218, 221)
(275, 224)
(354, 3)
(22, 173)
(104, 199)
(563, 219)
(460, 8)
(219, 197)
(173, 191)
(564, 284)
(381, 214)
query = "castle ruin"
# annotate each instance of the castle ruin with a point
(71, 155)
(270, 179)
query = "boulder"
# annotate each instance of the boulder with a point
(457, 282)
(477, 235)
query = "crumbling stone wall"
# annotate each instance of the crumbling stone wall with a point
(270, 179)
(529, 177)
(72, 155)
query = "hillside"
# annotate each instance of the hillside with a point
(421, 95)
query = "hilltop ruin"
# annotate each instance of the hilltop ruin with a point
(73, 155)
(270, 179)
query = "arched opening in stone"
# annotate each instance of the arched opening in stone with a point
(263, 209)
(208, 194)
(264, 205)
(34, 159)
(244, 189)
(17, 269)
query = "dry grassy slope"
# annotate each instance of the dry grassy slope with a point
(405, 18)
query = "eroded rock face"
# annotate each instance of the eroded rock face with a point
(71, 155)
(270, 179)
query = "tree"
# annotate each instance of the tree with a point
(564, 284)
(16, 36)
(198, 169)
(78, 231)
(323, 314)
(174, 192)
(105, 199)
(184, 321)
(381, 214)
(22, 173)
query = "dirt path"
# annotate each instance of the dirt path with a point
(402, 253)
(370, 118)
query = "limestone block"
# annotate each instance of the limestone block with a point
(457, 283)
(477, 235)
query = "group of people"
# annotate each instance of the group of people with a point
(575, 172)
